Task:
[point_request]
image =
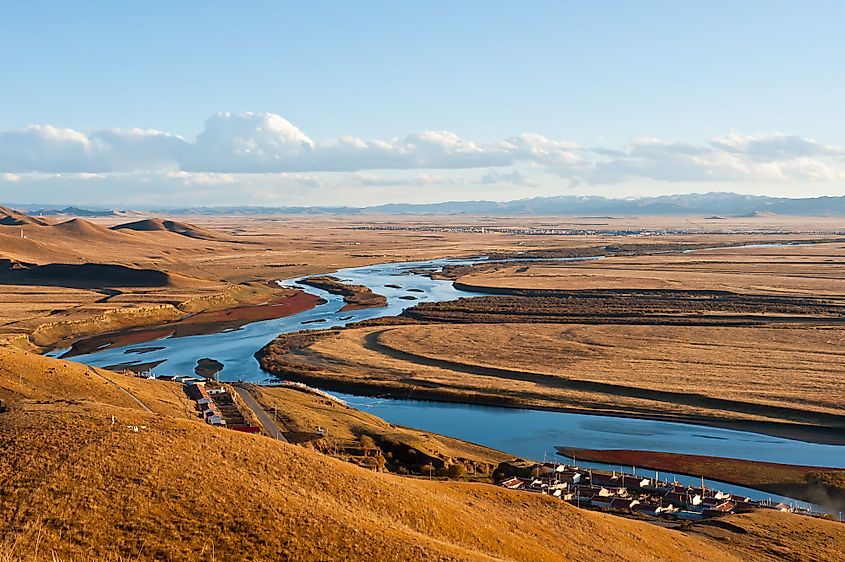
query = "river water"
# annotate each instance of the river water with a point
(526, 433)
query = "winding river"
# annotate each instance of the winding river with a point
(527, 433)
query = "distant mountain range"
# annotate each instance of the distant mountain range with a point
(714, 204)
(71, 212)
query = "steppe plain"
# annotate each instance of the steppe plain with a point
(73, 485)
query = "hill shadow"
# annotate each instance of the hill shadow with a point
(80, 276)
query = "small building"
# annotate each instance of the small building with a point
(511, 483)
(571, 476)
(623, 504)
(688, 515)
(245, 428)
(723, 508)
(647, 509)
(682, 498)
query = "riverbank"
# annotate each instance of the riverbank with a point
(538, 367)
(282, 303)
(312, 419)
(356, 297)
(821, 486)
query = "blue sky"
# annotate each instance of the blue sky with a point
(589, 78)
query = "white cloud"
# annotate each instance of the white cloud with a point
(44, 148)
(776, 146)
(259, 143)
(234, 146)
(768, 157)
(514, 177)
(136, 150)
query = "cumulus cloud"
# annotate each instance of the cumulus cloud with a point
(266, 143)
(259, 143)
(44, 148)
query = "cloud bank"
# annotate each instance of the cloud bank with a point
(262, 158)
(265, 143)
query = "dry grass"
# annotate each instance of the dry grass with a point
(178, 489)
(783, 366)
(75, 486)
(767, 535)
(258, 249)
(267, 248)
(817, 270)
(694, 373)
(303, 412)
(42, 382)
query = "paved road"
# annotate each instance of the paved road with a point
(265, 419)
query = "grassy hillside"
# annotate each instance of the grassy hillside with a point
(75, 486)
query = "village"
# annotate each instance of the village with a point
(635, 495)
(216, 404)
(569, 231)
(616, 492)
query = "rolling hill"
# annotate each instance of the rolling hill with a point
(10, 217)
(84, 230)
(182, 228)
(78, 480)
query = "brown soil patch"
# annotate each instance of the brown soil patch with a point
(201, 323)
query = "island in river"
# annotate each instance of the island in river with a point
(356, 297)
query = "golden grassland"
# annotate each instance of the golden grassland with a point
(300, 413)
(817, 270)
(741, 337)
(37, 381)
(75, 486)
(779, 366)
(258, 249)
(726, 376)
(205, 274)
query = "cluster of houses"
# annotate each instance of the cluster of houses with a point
(202, 394)
(629, 493)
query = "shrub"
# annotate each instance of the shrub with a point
(456, 470)
(367, 442)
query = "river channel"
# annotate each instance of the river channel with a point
(527, 433)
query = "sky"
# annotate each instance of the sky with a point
(356, 103)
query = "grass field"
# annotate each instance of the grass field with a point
(659, 372)
(78, 481)
(210, 260)
(400, 449)
(817, 270)
(74, 485)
